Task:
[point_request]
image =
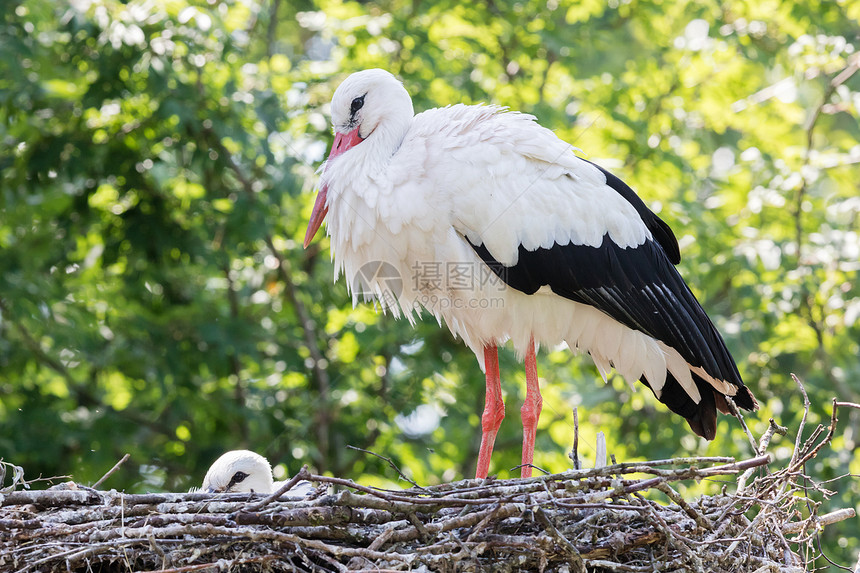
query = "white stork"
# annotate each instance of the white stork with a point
(525, 242)
(244, 471)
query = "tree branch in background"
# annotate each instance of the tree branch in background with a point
(272, 28)
(111, 471)
(806, 297)
(309, 329)
(390, 463)
(232, 355)
(36, 348)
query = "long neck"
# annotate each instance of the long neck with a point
(371, 157)
(388, 135)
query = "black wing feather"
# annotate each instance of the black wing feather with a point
(640, 288)
(658, 227)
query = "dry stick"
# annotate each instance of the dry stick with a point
(483, 523)
(597, 564)
(574, 558)
(523, 485)
(806, 405)
(814, 452)
(821, 521)
(609, 546)
(213, 566)
(390, 463)
(423, 534)
(733, 408)
(303, 474)
(799, 457)
(574, 453)
(772, 428)
(76, 552)
(328, 559)
(624, 467)
(600, 451)
(467, 520)
(374, 546)
(464, 547)
(701, 520)
(375, 570)
(783, 484)
(638, 467)
(811, 454)
(51, 498)
(394, 497)
(249, 534)
(617, 506)
(540, 469)
(157, 549)
(111, 471)
(673, 537)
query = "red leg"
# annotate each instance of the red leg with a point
(494, 410)
(530, 410)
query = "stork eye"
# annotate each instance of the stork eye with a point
(238, 477)
(357, 104)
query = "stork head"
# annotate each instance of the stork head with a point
(369, 105)
(239, 471)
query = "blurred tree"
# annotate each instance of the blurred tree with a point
(155, 159)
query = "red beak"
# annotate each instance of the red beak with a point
(342, 143)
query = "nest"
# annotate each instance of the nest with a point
(622, 517)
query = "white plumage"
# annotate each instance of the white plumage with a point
(557, 249)
(244, 471)
(390, 212)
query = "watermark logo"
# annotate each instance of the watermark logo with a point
(434, 285)
(453, 276)
(378, 280)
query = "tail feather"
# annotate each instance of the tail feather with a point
(745, 399)
(702, 416)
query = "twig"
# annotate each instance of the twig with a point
(799, 435)
(814, 451)
(390, 463)
(600, 451)
(574, 558)
(111, 471)
(574, 453)
(772, 428)
(820, 521)
(309, 329)
(700, 519)
(540, 469)
(673, 536)
(303, 474)
(733, 408)
(199, 566)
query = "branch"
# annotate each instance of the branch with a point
(390, 463)
(309, 329)
(111, 471)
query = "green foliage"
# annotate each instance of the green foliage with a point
(156, 160)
